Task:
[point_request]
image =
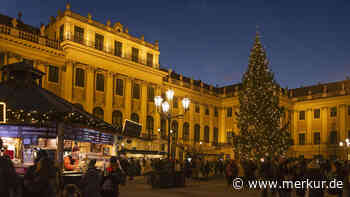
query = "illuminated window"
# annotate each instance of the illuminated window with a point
(117, 118)
(80, 77)
(99, 41)
(333, 137)
(135, 54)
(149, 59)
(216, 113)
(100, 82)
(120, 87)
(53, 74)
(134, 117)
(150, 125)
(150, 94)
(317, 114)
(136, 91)
(78, 34)
(302, 115)
(186, 131)
(61, 32)
(197, 108)
(207, 111)
(216, 135)
(118, 48)
(206, 134)
(333, 112)
(197, 133)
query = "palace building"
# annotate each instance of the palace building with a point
(115, 76)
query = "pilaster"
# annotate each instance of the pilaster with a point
(143, 113)
(201, 122)
(342, 122)
(109, 98)
(90, 88)
(68, 80)
(324, 117)
(295, 126)
(157, 92)
(308, 126)
(128, 90)
(222, 126)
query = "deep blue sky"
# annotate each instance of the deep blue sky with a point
(307, 41)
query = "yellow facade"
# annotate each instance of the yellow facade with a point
(80, 56)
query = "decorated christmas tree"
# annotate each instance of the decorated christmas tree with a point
(259, 119)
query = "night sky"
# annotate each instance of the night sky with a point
(307, 41)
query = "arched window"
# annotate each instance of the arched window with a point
(186, 131)
(175, 128)
(197, 133)
(163, 127)
(117, 118)
(78, 105)
(150, 125)
(206, 134)
(98, 112)
(135, 117)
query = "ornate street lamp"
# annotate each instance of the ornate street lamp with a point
(164, 107)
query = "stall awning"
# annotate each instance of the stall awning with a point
(29, 104)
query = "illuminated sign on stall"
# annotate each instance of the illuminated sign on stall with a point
(2, 112)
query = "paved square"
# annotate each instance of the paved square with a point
(217, 188)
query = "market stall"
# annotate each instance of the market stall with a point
(32, 118)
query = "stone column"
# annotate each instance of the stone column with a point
(128, 99)
(191, 114)
(309, 126)
(211, 124)
(324, 117)
(222, 125)
(109, 98)
(201, 122)
(342, 122)
(90, 88)
(156, 114)
(143, 114)
(294, 127)
(181, 120)
(68, 80)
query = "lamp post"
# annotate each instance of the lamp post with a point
(164, 108)
(346, 145)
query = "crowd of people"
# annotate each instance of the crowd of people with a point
(44, 178)
(292, 170)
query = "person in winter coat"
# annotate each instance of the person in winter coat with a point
(90, 182)
(110, 186)
(336, 173)
(41, 180)
(231, 172)
(9, 183)
(315, 174)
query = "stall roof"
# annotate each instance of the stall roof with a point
(28, 103)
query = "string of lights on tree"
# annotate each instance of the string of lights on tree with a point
(261, 134)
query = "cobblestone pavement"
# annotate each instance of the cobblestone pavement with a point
(212, 188)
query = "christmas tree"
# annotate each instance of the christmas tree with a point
(259, 118)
